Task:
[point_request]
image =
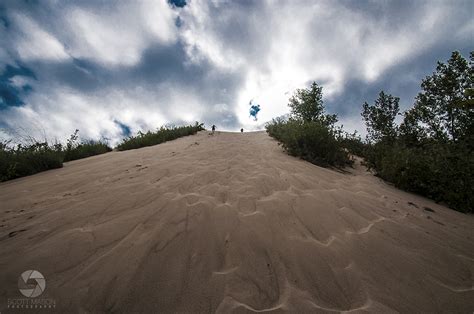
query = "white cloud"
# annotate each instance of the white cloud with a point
(119, 36)
(95, 115)
(323, 41)
(34, 43)
(354, 123)
(21, 81)
(199, 34)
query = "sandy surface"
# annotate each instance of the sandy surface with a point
(230, 223)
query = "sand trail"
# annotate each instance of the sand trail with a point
(230, 223)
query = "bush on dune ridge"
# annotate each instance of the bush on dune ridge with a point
(310, 133)
(163, 134)
(311, 141)
(86, 148)
(35, 156)
(24, 160)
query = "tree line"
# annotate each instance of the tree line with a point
(430, 152)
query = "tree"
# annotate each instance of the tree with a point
(411, 132)
(307, 106)
(431, 151)
(380, 118)
(438, 104)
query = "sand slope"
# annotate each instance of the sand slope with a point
(230, 223)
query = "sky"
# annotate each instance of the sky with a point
(113, 68)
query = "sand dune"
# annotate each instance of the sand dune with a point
(230, 223)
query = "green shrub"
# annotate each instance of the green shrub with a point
(86, 149)
(161, 135)
(23, 160)
(352, 142)
(26, 160)
(310, 133)
(83, 149)
(430, 153)
(312, 141)
(442, 172)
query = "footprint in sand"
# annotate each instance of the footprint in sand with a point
(12, 234)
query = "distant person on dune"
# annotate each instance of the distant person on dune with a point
(241, 130)
(213, 128)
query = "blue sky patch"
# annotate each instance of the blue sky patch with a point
(10, 95)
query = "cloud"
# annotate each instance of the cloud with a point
(45, 112)
(284, 46)
(119, 36)
(108, 70)
(34, 43)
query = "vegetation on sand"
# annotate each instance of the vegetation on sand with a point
(35, 156)
(161, 135)
(310, 133)
(431, 151)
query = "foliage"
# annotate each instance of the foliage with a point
(310, 133)
(430, 153)
(78, 150)
(436, 105)
(306, 105)
(86, 149)
(442, 172)
(380, 118)
(27, 159)
(24, 160)
(163, 134)
(352, 142)
(312, 141)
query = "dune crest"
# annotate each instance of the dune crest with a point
(231, 223)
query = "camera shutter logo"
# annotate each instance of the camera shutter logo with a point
(31, 283)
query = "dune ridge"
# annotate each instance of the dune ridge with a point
(230, 223)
